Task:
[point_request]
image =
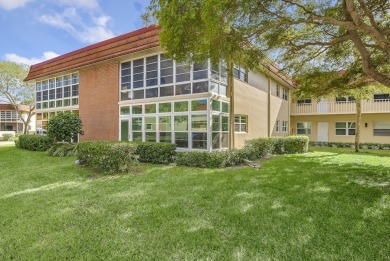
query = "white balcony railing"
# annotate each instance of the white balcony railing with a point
(333, 107)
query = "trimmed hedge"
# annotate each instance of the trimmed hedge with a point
(154, 152)
(215, 159)
(374, 146)
(261, 147)
(253, 149)
(106, 156)
(62, 149)
(34, 142)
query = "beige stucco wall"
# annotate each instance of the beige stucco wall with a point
(251, 99)
(253, 102)
(366, 132)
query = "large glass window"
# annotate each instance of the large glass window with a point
(166, 70)
(138, 73)
(53, 90)
(181, 131)
(150, 129)
(137, 129)
(152, 71)
(183, 72)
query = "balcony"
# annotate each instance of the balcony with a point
(333, 107)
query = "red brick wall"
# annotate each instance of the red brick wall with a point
(98, 101)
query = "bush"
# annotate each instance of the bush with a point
(62, 149)
(154, 152)
(295, 144)
(373, 146)
(215, 159)
(262, 147)
(64, 126)
(107, 157)
(34, 142)
(6, 137)
(258, 148)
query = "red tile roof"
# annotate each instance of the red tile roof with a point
(10, 107)
(132, 42)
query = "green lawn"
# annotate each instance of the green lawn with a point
(326, 205)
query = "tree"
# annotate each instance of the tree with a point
(302, 35)
(339, 84)
(64, 127)
(16, 92)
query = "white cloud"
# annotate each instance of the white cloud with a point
(89, 4)
(71, 22)
(30, 61)
(13, 4)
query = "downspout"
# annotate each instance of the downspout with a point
(231, 96)
(269, 106)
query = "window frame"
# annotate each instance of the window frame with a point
(347, 128)
(240, 124)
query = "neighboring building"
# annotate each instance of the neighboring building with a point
(125, 88)
(10, 120)
(334, 119)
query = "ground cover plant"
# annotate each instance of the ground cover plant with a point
(328, 204)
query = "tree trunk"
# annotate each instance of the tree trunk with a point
(231, 96)
(358, 123)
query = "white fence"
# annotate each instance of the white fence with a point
(370, 106)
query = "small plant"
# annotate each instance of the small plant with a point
(62, 149)
(64, 126)
(6, 137)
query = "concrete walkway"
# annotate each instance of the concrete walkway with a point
(7, 143)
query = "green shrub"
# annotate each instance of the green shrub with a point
(258, 148)
(215, 159)
(107, 157)
(34, 142)
(262, 147)
(295, 144)
(62, 149)
(64, 126)
(6, 137)
(154, 152)
(373, 146)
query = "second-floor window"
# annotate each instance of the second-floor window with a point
(240, 73)
(160, 76)
(304, 101)
(381, 97)
(285, 94)
(277, 90)
(345, 99)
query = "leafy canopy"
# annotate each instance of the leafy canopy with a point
(64, 126)
(305, 36)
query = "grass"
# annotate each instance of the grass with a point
(324, 205)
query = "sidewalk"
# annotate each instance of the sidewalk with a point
(7, 143)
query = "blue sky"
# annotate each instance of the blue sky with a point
(36, 30)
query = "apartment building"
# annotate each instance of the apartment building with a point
(125, 88)
(10, 120)
(334, 119)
